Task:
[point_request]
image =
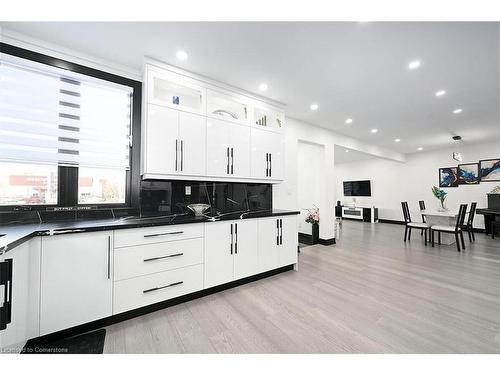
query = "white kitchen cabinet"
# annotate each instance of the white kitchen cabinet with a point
(289, 241)
(76, 279)
(25, 299)
(230, 251)
(219, 251)
(268, 244)
(145, 290)
(192, 143)
(267, 155)
(228, 107)
(172, 90)
(278, 241)
(268, 117)
(246, 257)
(175, 143)
(161, 141)
(228, 149)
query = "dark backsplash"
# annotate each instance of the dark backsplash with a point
(172, 197)
(159, 197)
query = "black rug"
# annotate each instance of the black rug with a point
(88, 343)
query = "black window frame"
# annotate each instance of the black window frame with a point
(67, 185)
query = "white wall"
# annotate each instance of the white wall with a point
(394, 182)
(309, 180)
(303, 160)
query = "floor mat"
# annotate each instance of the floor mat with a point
(88, 343)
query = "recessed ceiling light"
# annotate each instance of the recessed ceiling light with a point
(440, 93)
(181, 55)
(420, 148)
(457, 111)
(397, 140)
(263, 87)
(314, 107)
(346, 150)
(414, 65)
(374, 130)
(348, 121)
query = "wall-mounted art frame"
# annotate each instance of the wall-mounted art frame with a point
(489, 170)
(448, 177)
(468, 174)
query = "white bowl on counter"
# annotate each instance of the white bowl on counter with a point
(198, 208)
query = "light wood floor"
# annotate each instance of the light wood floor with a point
(369, 293)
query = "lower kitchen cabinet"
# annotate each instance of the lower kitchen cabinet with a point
(230, 251)
(289, 240)
(278, 241)
(145, 290)
(76, 279)
(21, 273)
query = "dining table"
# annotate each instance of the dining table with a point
(448, 218)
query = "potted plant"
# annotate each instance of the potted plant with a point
(441, 195)
(312, 218)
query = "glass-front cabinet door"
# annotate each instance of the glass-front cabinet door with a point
(174, 92)
(227, 107)
(268, 118)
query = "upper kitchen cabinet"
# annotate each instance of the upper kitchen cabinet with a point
(228, 149)
(172, 90)
(195, 128)
(227, 107)
(267, 155)
(174, 143)
(266, 117)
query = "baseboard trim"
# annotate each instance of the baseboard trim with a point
(91, 326)
(387, 221)
(327, 242)
(307, 239)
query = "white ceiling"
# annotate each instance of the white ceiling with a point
(351, 69)
(347, 155)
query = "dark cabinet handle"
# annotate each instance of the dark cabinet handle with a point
(267, 164)
(281, 231)
(232, 160)
(162, 234)
(277, 232)
(176, 146)
(270, 165)
(109, 257)
(231, 246)
(182, 154)
(162, 287)
(227, 165)
(236, 241)
(6, 280)
(163, 257)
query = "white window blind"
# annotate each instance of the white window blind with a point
(52, 116)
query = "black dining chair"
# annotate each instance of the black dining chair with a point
(456, 230)
(470, 219)
(409, 224)
(494, 226)
(421, 205)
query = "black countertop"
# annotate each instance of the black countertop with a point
(14, 235)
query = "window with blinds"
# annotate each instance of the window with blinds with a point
(51, 117)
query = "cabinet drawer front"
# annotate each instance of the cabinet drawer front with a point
(143, 236)
(145, 290)
(146, 259)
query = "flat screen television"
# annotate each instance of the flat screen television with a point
(357, 188)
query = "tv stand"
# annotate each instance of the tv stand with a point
(366, 214)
